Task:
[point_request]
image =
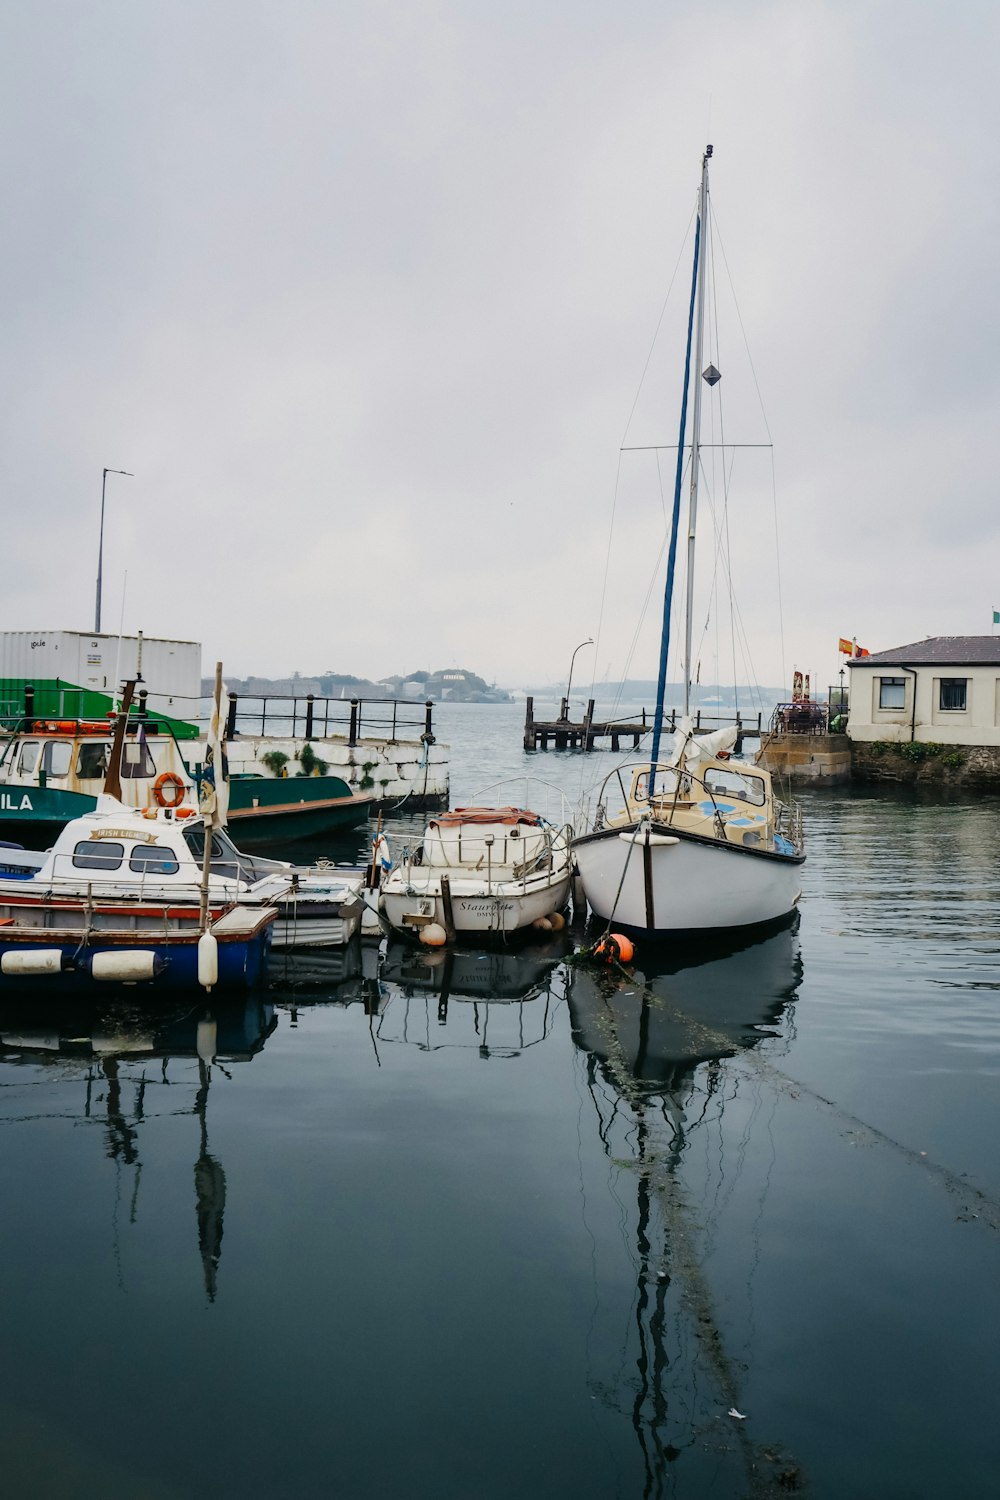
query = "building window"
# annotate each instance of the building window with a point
(892, 692)
(953, 694)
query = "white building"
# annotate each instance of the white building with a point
(945, 689)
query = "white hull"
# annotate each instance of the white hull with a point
(308, 931)
(679, 884)
(503, 907)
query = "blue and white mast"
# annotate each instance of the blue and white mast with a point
(697, 303)
(699, 342)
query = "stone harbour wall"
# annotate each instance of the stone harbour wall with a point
(808, 758)
(924, 763)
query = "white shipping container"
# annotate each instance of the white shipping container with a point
(171, 670)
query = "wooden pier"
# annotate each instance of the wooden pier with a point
(565, 734)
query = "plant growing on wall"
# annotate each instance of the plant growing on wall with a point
(310, 762)
(275, 761)
(918, 750)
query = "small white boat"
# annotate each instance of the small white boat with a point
(321, 906)
(481, 870)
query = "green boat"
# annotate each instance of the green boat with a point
(54, 770)
(267, 810)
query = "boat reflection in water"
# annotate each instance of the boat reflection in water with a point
(120, 1054)
(655, 1049)
(499, 1001)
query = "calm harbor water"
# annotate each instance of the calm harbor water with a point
(493, 1225)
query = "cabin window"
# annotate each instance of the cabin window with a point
(136, 759)
(29, 757)
(732, 784)
(953, 693)
(892, 692)
(226, 859)
(665, 784)
(153, 859)
(98, 854)
(58, 757)
(92, 760)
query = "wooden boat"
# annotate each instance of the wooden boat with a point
(480, 870)
(701, 843)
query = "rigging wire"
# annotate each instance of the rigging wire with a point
(628, 424)
(767, 429)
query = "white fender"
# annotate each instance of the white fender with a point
(208, 960)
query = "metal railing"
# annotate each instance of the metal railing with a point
(800, 718)
(810, 715)
(280, 715)
(311, 717)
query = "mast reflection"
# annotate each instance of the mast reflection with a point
(654, 1048)
(109, 1046)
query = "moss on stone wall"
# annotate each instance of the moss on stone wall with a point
(926, 761)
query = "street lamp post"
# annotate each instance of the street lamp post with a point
(588, 642)
(100, 545)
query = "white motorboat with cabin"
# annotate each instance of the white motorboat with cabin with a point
(119, 898)
(481, 870)
(120, 860)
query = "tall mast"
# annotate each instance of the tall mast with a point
(675, 512)
(696, 427)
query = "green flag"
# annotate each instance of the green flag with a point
(996, 617)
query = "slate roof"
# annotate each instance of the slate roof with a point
(938, 650)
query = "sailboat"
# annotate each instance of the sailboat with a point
(700, 843)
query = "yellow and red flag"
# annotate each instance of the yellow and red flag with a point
(846, 647)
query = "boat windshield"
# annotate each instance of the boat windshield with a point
(29, 757)
(226, 858)
(58, 758)
(665, 784)
(92, 760)
(745, 788)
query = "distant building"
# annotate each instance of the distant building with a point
(945, 689)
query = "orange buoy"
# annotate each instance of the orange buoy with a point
(433, 935)
(557, 921)
(615, 948)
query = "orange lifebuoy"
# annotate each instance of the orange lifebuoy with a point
(160, 785)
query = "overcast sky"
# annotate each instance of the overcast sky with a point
(363, 294)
